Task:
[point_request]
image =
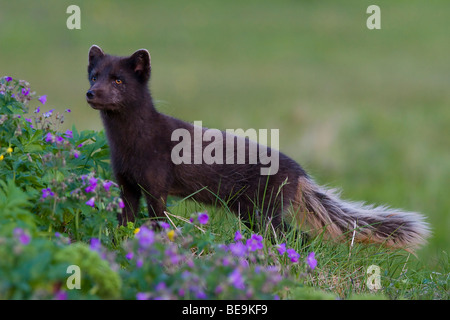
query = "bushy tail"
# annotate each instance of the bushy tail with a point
(324, 210)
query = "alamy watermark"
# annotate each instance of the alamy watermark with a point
(374, 277)
(234, 146)
(74, 20)
(374, 20)
(74, 280)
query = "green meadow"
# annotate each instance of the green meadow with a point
(367, 111)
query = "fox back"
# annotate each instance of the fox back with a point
(141, 145)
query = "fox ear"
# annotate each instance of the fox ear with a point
(140, 64)
(95, 52)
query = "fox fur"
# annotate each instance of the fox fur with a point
(140, 142)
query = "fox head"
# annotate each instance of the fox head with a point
(117, 82)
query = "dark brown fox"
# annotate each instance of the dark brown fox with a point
(141, 143)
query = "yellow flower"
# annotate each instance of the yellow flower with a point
(1, 157)
(171, 235)
(136, 230)
(9, 150)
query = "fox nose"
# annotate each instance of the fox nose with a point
(90, 94)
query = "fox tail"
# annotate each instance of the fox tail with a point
(322, 209)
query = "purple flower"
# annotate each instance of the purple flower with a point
(161, 286)
(96, 245)
(91, 202)
(218, 290)
(255, 242)
(76, 154)
(236, 279)
(48, 113)
(293, 255)
(171, 252)
(142, 296)
(90, 188)
(201, 294)
(60, 295)
(107, 185)
(121, 204)
(281, 248)
(146, 237)
(92, 185)
(69, 134)
(238, 249)
(43, 99)
(8, 79)
(26, 91)
(21, 235)
(38, 109)
(129, 255)
(93, 180)
(164, 225)
(203, 218)
(237, 236)
(139, 263)
(59, 140)
(311, 260)
(47, 193)
(49, 137)
(68, 110)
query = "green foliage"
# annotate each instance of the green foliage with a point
(14, 207)
(98, 279)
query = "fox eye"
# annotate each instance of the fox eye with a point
(118, 81)
(93, 78)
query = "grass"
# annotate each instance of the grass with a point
(342, 271)
(363, 110)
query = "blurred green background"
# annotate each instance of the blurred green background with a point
(365, 110)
